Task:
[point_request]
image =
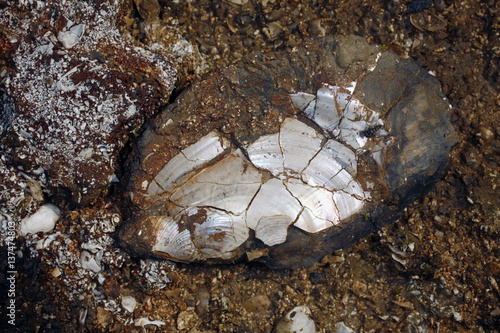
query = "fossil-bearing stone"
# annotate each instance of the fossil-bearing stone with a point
(73, 91)
(286, 156)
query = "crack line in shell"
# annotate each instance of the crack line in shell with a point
(308, 198)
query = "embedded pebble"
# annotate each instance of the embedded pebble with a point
(148, 9)
(486, 133)
(56, 272)
(356, 51)
(257, 303)
(186, 319)
(103, 318)
(202, 302)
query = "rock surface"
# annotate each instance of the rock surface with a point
(436, 269)
(250, 99)
(74, 90)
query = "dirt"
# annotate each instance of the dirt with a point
(436, 269)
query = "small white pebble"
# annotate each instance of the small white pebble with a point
(43, 220)
(56, 272)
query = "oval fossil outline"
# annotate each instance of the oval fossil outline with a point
(244, 102)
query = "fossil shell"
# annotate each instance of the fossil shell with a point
(199, 233)
(229, 185)
(206, 149)
(261, 161)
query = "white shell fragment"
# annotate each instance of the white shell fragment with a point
(43, 220)
(297, 320)
(229, 185)
(271, 221)
(220, 234)
(342, 328)
(326, 114)
(347, 204)
(299, 143)
(72, 37)
(129, 303)
(302, 100)
(338, 112)
(220, 194)
(265, 153)
(89, 262)
(145, 321)
(216, 237)
(320, 211)
(194, 156)
(173, 241)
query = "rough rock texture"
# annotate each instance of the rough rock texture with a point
(78, 89)
(251, 98)
(436, 269)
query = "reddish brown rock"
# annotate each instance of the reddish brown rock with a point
(79, 89)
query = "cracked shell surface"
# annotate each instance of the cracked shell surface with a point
(263, 157)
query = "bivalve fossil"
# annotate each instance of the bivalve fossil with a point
(285, 157)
